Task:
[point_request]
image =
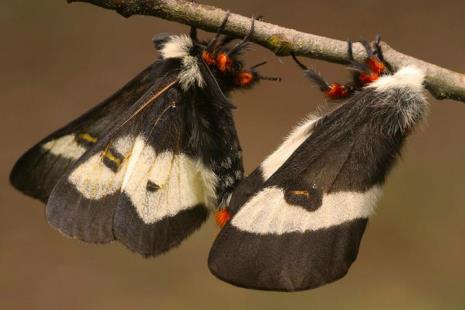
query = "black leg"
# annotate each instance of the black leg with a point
(258, 65)
(379, 52)
(358, 66)
(193, 34)
(367, 47)
(314, 76)
(215, 39)
(297, 61)
(350, 50)
(225, 40)
(244, 41)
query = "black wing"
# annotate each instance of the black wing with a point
(40, 168)
(193, 168)
(83, 202)
(298, 219)
(150, 182)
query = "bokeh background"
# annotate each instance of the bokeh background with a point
(58, 60)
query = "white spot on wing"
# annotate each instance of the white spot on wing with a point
(184, 183)
(65, 146)
(285, 150)
(135, 155)
(94, 180)
(269, 213)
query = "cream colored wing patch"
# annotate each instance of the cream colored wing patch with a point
(163, 184)
(269, 213)
(65, 146)
(95, 179)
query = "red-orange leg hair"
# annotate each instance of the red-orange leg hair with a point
(208, 58)
(244, 78)
(222, 217)
(223, 62)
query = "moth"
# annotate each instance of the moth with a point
(298, 219)
(146, 165)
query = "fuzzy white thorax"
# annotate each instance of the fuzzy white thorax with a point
(402, 91)
(410, 77)
(179, 46)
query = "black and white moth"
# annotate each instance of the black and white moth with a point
(298, 219)
(145, 166)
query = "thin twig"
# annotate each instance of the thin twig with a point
(442, 83)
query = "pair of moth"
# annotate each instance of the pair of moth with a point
(147, 165)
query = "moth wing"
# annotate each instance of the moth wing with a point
(166, 196)
(161, 189)
(172, 184)
(83, 202)
(298, 219)
(40, 168)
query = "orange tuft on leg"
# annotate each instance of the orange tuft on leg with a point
(376, 70)
(337, 91)
(244, 78)
(222, 217)
(223, 62)
(376, 66)
(368, 78)
(208, 58)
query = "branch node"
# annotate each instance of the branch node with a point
(279, 45)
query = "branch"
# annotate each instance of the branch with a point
(442, 83)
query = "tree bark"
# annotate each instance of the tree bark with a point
(441, 82)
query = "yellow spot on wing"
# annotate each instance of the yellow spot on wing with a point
(300, 193)
(87, 137)
(109, 155)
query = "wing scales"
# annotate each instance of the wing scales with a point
(83, 202)
(40, 168)
(301, 228)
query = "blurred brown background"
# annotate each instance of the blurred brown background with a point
(58, 60)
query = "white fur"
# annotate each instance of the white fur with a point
(409, 103)
(410, 76)
(94, 180)
(184, 183)
(269, 213)
(190, 73)
(65, 146)
(179, 47)
(290, 144)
